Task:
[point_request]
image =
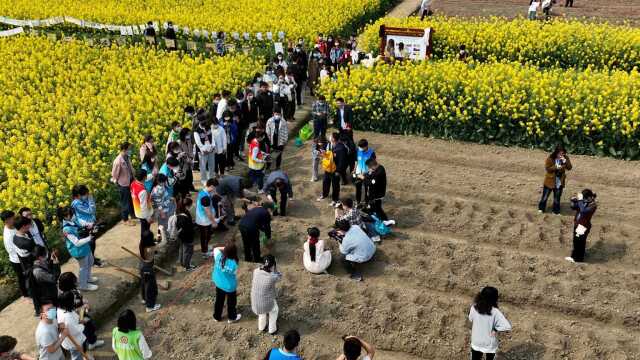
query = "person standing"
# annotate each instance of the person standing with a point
(67, 315)
(206, 147)
(317, 150)
(230, 127)
(556, 166)
(344, 118)
(220, 141)
(48, 338)
(568, 3)
(42, 278)
(335, 54)
(37, 227)
(249, 110)
(170, 169)
(84, 208)
(174, 134)
(278, 181)
(334, 162)
(122, 175)
(222, 106)
(320, 113)
(25, 248)
(533, 9)
(224, 277)
(148, 148)
(263, 294)
(425, 9)
(206, 212)
(127, 341)
(364, 153)
(299, 72)
(8, 218)
(265, 101)
(352, 349)
(79, 248)
(256, 219)
(184, 227)
(287, 352)
(375, 182)
(486, 321)
(148, 283)
(163, 205)
(141, 199)
(186, 147)
(68, 284)
(257, 158)
(150, 31)
(314, 70)
(278, 135)
(585, 206)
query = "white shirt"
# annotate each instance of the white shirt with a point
(483, 327)
(342, 124)
(425, 4)
(534, 6)
(220, 139)
(37, 237)
(9, 247)
(222, 107)
(71, 321)
(323, 258)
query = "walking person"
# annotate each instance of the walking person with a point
(224, 277)
(486, 321)
(376, 187)
(278, 134)
(352, 349)
(207, 217)
(79, 248)
(256, 219)
(263, 295)
(8, 218)
(334, 163)
(287, 352)
(184, 227)
(122, 175)
(203, 137)
(556, 166)
(585, 206)
(320, 113)
(49, 338)
(148, 282)
(364, 153)
(127, 341)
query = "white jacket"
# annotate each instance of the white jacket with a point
(220, 139)
(323, 258)
(283, 131)
(71, 321)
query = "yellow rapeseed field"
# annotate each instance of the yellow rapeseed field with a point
(590, 111)
(65, 107)
(561, 43)
(297, 18)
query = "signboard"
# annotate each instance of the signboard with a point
(417, 42)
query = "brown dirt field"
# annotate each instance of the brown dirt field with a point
(466, 219)
(615, 11)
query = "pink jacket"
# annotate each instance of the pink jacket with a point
(122, 170)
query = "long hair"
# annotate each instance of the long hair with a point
(230, 252)
(486, 300)
(559, 148)
(313, 233)
(127, 321)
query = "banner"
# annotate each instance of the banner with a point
(11, 32)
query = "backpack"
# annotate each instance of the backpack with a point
(328, 164)
(172, 227)
(380, 227)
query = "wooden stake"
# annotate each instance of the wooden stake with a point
(164, 271)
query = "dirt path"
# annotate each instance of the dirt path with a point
(466, 218)
(616, 11)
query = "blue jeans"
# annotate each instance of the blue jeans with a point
(84, 276)
(256, 177)
(557, 194)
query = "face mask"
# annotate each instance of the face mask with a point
(85, 197)
(188, 137)
(227, 120)
(52, 314)
(129, 152)
(178, 130)
(361, 149)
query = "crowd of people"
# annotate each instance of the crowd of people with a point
(249, 126)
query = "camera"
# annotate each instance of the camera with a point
(333, 234)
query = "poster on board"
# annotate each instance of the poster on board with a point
(417, 42)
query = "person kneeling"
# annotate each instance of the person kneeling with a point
(315, 259)
(356, 247)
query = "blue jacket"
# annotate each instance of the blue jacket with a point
(70, 230)
(170, 175)
(363, 156)
(85, 210)
(231, 131)
(224, 278)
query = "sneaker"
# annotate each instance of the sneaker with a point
(356, 277)
(190, 268)
(207, 255)
(96, 344)
(142, 302)
(155, 308)
(540, 211)
(375, 239)
(320, 198)
(90, 287)
(333, 203)
(236, 319)
(570, 259)
(98, 262)
(93, 279)
(389, 222)
(313, 179)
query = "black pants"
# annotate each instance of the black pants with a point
(283, 201)
(376, 209)
(477, 355)
(90, 331)
(148, 286)
(22, 280)
(299, 90)
(185, 254)
(359, 186)
(126, 205)
(350, 266)
(319, 128)
(218, 306)
(144, 227)
(251, 244)
(331, 180)
(290, 110)
(579, 245)
(205, 237)
(220, 163)
(277, 150)
(569, 3)
(424, 14)
(232, 150)
(557, 194)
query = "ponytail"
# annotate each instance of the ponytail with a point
(313, 233)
